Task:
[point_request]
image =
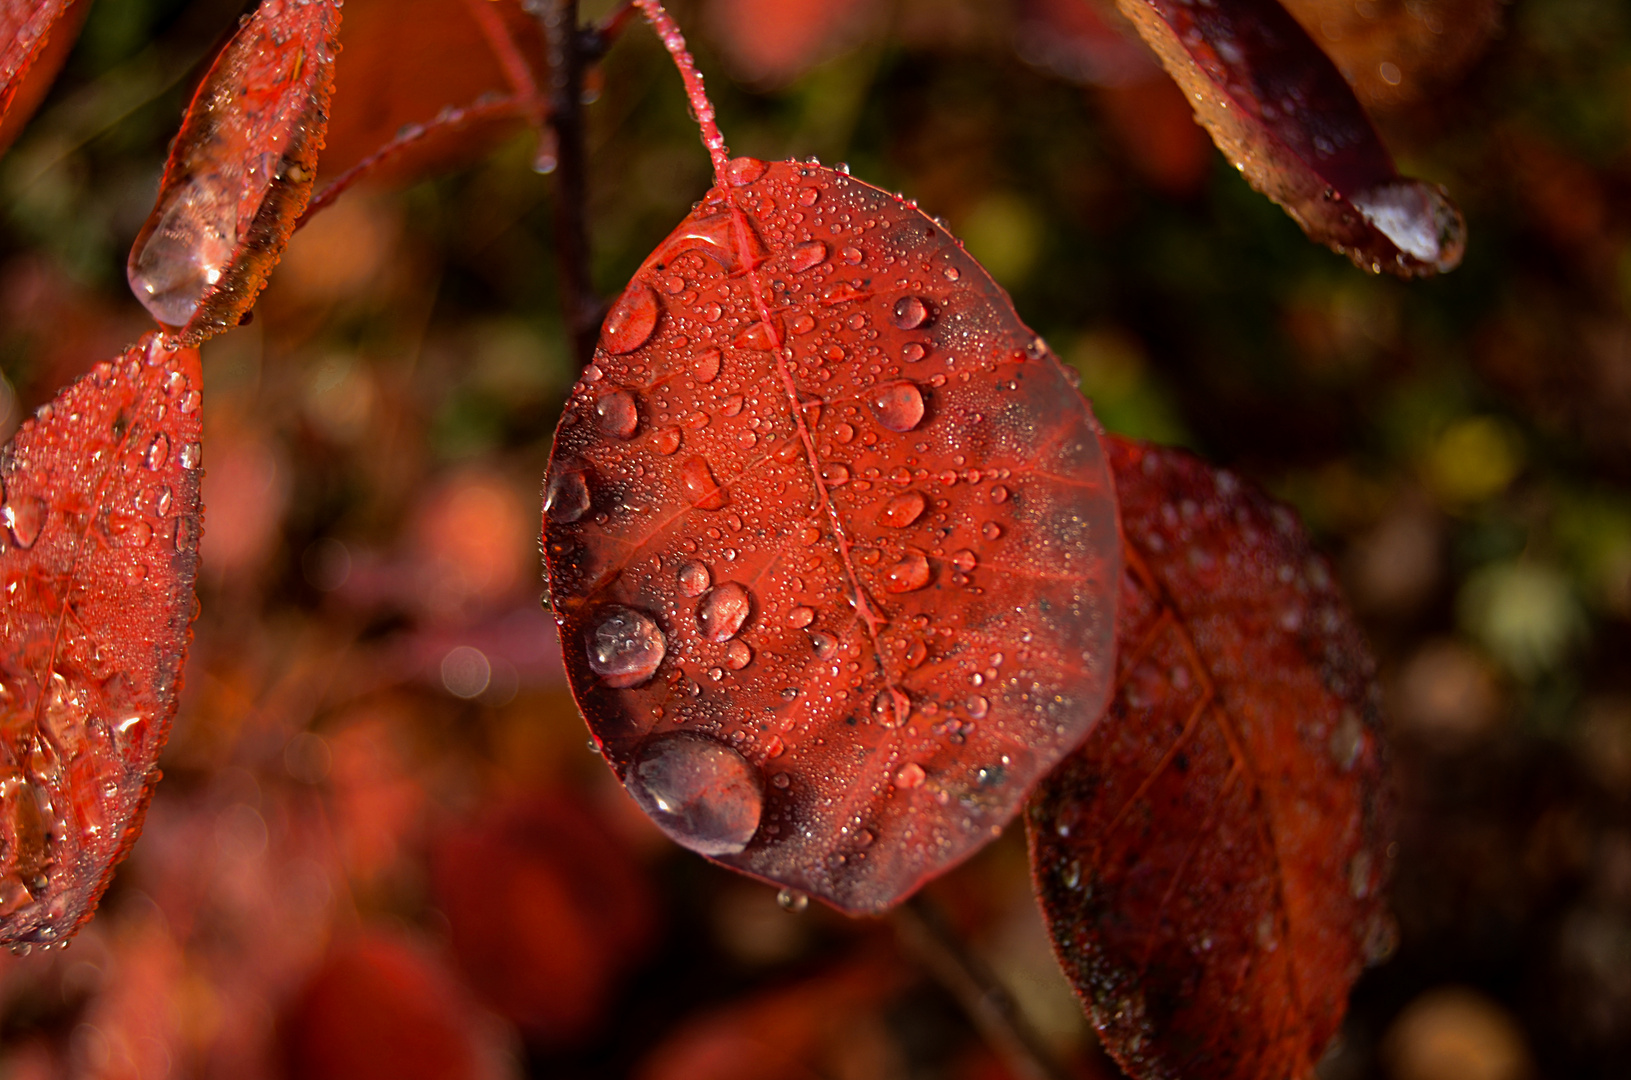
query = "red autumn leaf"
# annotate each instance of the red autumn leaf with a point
(1281, 112)
(830, 538)
(99, 554)
(1211, 861)
(35, 38)
(240, 171)
(545, 910)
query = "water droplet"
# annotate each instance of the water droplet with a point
(911, 775)
(902, 510)
(158, 452)
(1419, 219)
(694, 578)
(802, 323)
(964, 561)
(25, 518)
(792, 900)
(898, 405)
(978, 706)
(673, 284)
(800, 617)
(705, 365)
(624, 646)
(999, 494)
(824, 644)
(843, 433)
(738, 655)
(743, 171)
(952, 273)
(179, 261)
(911, 573)
(703, 794)
(835, 474)
(808, 197)
(631, 321)
(191, 456)
(913, 351)
(732, 405)
(567, 498)
(1071, 876)
(616, 415)
(991, 530)
(668, 440)
(701, 487)
(722, 612)
(910, 312)
(759, 335)
(852, 255)
(712, 312)
(891, 707)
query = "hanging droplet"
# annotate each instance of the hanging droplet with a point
(631, 321)
(616, 414)
(792, 900)
(902, 510)
(807, 255)
(187, 251)
(705, 365)
(911, 573)
(24, 518)
(694, 578)
(910, 313)
(703, 794)
(1419, 219)
(701, 487)
(721, 614)
(625, 646)
(898, 405)
(567, 497)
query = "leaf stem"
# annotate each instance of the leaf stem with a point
(925, 934)
(565, 155)
(668, 32)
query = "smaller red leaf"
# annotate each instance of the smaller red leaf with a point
(240, 172)
(1211, 861)
(35, 38)
(1282, 113)
(98, 555)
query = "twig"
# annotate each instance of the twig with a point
(674, 41)
(567, 160)
(925, 935)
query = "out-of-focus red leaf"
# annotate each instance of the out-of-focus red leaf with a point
(831, 1025)
(407, 63)
(546, 910)
(35, 38)
(1281, 112)
(380, 1008)
(1211, 861)
(99, 552)
(831, 540)
(775, 41)
(1393, 52)
(240, 172)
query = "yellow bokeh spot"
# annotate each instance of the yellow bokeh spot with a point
(1474, 459)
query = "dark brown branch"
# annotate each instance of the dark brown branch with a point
(567, 160)
(926, 937)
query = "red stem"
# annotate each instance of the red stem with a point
(674, 42)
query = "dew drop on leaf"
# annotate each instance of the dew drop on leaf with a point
(910, 313)
(700, 486)
(898, 405)
(806, 256)
(724, 610)
(902, 510)
(693, 577)
(625, 646)
(567, 498)
(24, 518)
(705, 365)
(186, 252)
(738, 655)
(910, 573)
(630, 322)
(703, 794)
(616, 414)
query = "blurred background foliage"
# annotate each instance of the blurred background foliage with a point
(380, 848)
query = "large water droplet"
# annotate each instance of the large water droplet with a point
(724, 610)
(912, 572)
(631, 321)
(624, 645)
(902, 510)
(807, 255)
(743, 171)
(910, 312)
(758, 335)
(567, 498)
(738, 655)
(705, 365)
(800, 617)
(186, 252)
(1419, 219)
(700, 486)
(703, 794)
(24, 517)
(898, 405)
(694, 578)
(616, 414)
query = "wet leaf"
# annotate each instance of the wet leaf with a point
(1281, 112)
(831, 540)
(240, 171)
(37, 36)
(99, 552)
(1393, 52)
(1211, 861)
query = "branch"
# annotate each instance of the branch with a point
(566, 158)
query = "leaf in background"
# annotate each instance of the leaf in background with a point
(37, 36)
(1211, 861)
(831, 541)
(1281, 112)
(1393, 52)
(773, 42)
(240, 172)
(99, 552)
